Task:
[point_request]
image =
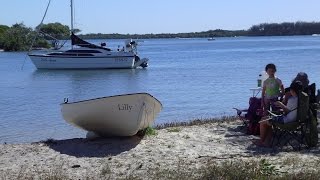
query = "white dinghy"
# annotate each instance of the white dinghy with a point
(120, 115)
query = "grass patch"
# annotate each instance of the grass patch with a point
(106, 172)
(268, 169)
(176, 129)
(233, 169)
(199, 121)
(291, 161)
(239, 170)
(25, 173)
(210, 169)
(186, 136)
(150, 131)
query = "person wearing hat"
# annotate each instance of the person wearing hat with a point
(303, 78)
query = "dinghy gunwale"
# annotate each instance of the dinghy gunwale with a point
(143, 93)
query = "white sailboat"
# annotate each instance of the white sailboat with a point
(84, 55)
(121, 115)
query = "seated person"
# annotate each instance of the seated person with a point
(301, 76)
(290, 114)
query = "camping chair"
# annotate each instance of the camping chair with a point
(311, 137)
(241, 116)
(292, 130)
(251, 116)
(318, 96)
(304, 129)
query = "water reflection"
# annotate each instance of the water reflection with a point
(80, 84)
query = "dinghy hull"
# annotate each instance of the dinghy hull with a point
(121, 115)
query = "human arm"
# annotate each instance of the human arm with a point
(282, 106)
(282, 90)
(287, 95)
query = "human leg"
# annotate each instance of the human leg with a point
(264, 130)
(268, 138)
(266, 106)
(265, 133)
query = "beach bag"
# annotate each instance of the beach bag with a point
(253, 129)
(253, 116)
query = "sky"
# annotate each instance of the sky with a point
(159, 16)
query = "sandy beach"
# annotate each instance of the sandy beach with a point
(171, 150)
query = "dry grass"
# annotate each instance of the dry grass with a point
(194, 122)
(235, 169)
(211, 169)
(29, 174)
(175, 129)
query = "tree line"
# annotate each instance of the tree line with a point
(263, 29)
(18, 37)
(285, 29)
(204, 34)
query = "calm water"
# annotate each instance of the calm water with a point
(193, 78)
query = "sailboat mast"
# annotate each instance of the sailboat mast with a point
(71, 4)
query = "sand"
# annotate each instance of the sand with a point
(114, 158)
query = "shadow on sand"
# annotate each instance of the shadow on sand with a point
(237, 136)
(100, 147)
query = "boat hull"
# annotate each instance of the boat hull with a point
(122, 115)
(49, 62)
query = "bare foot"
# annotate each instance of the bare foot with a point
(260, 143)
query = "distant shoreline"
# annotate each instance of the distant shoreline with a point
(263, 29)
(84, 37)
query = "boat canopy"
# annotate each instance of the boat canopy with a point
(75, 40)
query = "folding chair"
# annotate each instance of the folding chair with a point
(251, 116)
(304, 130)
(318, 96)
(285, 133)
(311, 137)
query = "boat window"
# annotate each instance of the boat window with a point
(83, 51)
(62, 54)
(85, 54)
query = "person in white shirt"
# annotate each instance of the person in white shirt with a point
(290, 114)
(301, 76)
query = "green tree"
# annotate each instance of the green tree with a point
(3, 29)
(19, 38)
(16, 38)
(55, 32)
(285, 29)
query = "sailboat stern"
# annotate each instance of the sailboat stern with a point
(141, 62)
